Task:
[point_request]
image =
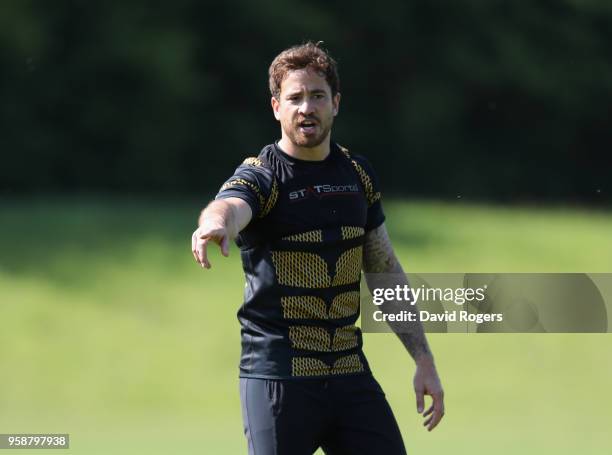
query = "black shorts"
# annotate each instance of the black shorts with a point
(344, 416)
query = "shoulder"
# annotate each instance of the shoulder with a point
(259, 163)
(270, 159)
(265, 165)
(366, 173)
(357, 159)
(258, 170)
(253, 180)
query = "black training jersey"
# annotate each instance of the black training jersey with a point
(302, 255)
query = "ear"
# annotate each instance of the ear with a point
(275, 107)
(336, 103)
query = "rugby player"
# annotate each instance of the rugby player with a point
(307, 216)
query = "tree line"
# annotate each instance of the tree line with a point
(497, 100)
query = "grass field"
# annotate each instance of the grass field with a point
(111, 333)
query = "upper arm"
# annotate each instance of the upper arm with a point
(369, 181)
(254, 185)
(378, 254)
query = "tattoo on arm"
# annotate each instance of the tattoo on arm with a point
(378, 255)
(383, 270)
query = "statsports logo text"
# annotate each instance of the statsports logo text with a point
(320, 191)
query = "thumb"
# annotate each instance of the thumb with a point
(225, 246)
(420, 400)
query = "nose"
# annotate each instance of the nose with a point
(306, 107)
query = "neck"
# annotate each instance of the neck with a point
(318, 153)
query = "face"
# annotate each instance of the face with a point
(305, 108)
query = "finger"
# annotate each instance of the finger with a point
(194, 251)
(438, 412)
(420, 400)
(225, 246)
(203, 253)
(435, 420)
(429, 411)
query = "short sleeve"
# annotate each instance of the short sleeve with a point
(254, 183)
(369, 181)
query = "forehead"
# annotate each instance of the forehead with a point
(304, 80)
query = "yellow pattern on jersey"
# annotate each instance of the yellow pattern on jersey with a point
(309, 270)
(344, 305)
(308, 366)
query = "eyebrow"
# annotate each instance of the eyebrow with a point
(315, 91)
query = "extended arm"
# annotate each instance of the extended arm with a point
(383, 270)
(220, 222)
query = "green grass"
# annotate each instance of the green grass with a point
(110, 332)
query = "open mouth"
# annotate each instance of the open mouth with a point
(307, 126)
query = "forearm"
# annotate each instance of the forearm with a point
(410, 333)
(223, 213)
(383, 270)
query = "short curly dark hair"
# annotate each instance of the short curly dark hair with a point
(307, 55)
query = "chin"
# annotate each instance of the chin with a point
(308, 142)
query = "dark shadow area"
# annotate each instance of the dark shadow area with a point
(496, 101)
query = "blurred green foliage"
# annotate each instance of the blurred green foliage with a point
(496, 100)
(112, 333)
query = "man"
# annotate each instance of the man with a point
(307, 217)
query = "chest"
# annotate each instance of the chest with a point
(319, 199)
